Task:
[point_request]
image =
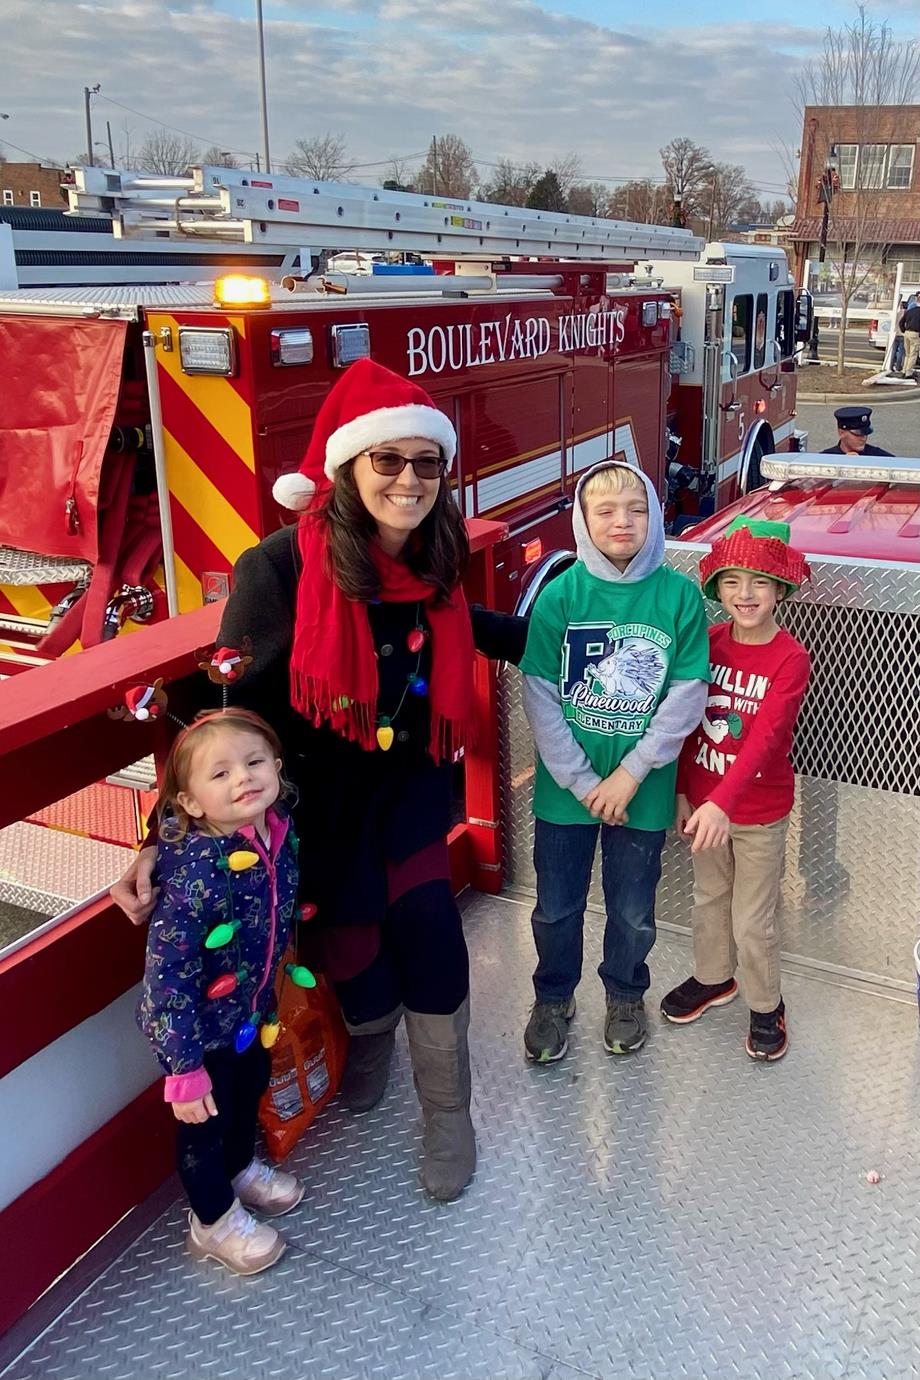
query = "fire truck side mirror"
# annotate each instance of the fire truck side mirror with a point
(804, 315)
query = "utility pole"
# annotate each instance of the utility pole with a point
(712, 206)
(827, 186)
(434, 165)
(263, 98)
(87, 93)
(108, 130)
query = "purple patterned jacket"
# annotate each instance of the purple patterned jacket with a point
(199, 890)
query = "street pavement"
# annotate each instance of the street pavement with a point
(858, 348)
(897, 425)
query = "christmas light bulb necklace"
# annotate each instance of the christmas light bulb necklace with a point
(415, 683)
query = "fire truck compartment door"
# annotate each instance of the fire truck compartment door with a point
(61, 380)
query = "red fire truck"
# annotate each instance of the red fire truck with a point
(144, 425)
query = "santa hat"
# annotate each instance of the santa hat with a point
(758, 546)
(368, 406)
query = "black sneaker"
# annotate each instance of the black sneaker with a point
(767, 1039)
(625, 1026)
(687, 1002)
(546, 1038)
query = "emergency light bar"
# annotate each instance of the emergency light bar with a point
(896, 470)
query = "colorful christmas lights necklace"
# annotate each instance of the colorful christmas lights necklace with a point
(415, 684)
(227, 932)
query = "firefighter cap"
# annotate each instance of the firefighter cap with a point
(758, 546)
(368, 406)
(856, 419)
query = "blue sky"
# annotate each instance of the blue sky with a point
(530, 80)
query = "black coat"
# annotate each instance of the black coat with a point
(867, 450)
(356, 809)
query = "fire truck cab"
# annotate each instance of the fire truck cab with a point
(739, 320)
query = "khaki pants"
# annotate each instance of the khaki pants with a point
(911, 350)
(736, 892)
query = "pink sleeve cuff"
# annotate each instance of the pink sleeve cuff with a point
(186, 1087)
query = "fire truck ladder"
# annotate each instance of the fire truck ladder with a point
(232, 205)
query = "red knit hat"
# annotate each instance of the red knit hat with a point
(368, 406)
(755, 545)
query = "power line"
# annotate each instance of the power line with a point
(387, 162)
(200, 138)
(51, 162)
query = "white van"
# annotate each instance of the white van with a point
(354, 262)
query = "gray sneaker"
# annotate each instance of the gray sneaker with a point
(626, 1026)
(546, 1038)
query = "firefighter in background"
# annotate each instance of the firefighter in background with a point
(363, 647)
(854, 427)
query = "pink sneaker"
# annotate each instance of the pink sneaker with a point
(270, 1191)
(236, 1240)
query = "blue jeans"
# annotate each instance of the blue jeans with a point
(630, 869)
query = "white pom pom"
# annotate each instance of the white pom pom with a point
(142, 713)
(293, 491)
(225, 667)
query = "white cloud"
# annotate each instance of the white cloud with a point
(510, 76)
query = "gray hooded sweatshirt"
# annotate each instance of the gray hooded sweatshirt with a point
(678, 712)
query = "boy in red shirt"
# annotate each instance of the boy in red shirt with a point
(735, 783)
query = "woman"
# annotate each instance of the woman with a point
(362, 647)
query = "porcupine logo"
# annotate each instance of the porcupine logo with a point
(633, 668)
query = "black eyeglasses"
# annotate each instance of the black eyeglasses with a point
(390, 462)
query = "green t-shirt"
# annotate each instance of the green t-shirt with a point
(613, 649)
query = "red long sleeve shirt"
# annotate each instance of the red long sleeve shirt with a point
(739, 756)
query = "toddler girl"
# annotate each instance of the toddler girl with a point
(227, 873)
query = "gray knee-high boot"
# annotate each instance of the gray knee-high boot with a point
(368, 1065)
(441, 1068)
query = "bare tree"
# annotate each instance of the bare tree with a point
(219, 158)
(861, 67)
(399, 177)
(323, 158)
(641, 200)
(861, 64)
(127, 155)
(688, 172)
(729, 188)
(568, 171)
(510, 183)
(167, 153)
(588, 199)
(449, 169)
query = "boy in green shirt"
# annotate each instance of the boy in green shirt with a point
(616, 674)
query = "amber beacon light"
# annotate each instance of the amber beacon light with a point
(239, 290)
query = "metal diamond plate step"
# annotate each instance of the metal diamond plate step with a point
(49, 871)
(28, 568)
(682, 1214)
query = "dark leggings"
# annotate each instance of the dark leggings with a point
(211, 1153)
(422, 962)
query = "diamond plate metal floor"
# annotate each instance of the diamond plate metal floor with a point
(680, 1213)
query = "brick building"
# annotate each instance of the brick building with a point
(876, 197)
(31, 184)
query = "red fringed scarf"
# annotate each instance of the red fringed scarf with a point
(333, 660)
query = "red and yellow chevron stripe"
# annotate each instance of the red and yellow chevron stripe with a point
(210, 464)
